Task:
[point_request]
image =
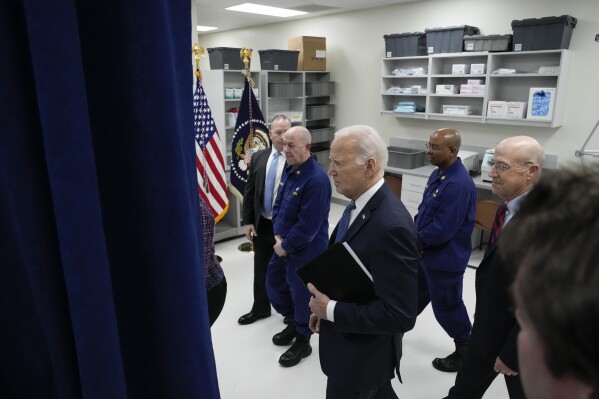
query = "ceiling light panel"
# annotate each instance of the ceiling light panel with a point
(265, 10)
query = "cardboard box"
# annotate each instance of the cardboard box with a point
(460, 69)
(497, 109)
(477, 69)
(515, 109)
(313, 52)
(445, 89)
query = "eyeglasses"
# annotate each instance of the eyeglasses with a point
(434, 147)
(503, 167)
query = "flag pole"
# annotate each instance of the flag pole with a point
(246, 54)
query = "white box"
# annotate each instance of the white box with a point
(497, 109)
(458, 110)
(541, 101)
(480, 89)
(474, 82)
(465, 89)
(230, 119)
(229, 93)
(445, 89)
(515, 109)
(460, 69)
(237, 92)
(477, 69)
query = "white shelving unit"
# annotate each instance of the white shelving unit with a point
(514, 87)
(215, 83)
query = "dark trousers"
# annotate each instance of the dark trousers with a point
(475, 377)
(216, 300)
(444, 291)
(335, 391)
(263, 250)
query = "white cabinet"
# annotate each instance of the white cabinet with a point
(498, 87)
(412, 190)
(219, 85)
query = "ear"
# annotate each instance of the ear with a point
(370, 166)
(534, 170)
(454, 151)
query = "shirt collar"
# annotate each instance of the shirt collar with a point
(363, 199)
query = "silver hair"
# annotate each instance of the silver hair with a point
(369, 144)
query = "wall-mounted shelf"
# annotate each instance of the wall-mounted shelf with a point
(514, 87)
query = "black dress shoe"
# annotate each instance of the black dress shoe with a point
(449, 364)
(286, 336)
(251, 317)
(300, 349)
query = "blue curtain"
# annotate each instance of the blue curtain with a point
(101, 285)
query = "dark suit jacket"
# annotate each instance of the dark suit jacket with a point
(495, 329)
(253, 194)
(360, 350)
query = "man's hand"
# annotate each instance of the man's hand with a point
(314, 323)
(278, 247)
(501, 368)
(250, 231)
(318, 302)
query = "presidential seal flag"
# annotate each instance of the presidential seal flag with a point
(251, 135)
(210, 162)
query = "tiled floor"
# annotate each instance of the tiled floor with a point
(247, 361)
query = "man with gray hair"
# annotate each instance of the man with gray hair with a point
(360, 343)
(492, 350)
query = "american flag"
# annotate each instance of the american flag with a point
(210, 163)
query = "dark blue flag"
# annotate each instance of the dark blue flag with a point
(251, 135)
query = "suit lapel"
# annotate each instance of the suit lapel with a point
(366, 213)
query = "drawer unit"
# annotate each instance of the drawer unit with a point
(414, 183)
(411, 198)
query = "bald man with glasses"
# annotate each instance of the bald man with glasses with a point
(516, 167)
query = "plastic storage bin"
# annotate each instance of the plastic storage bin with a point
(449, 39)
(278, 60)
(549, 33)
(320, 135)
(225, 58)
(405, 44)
(322, 156)
(325, 111)
(405, 158)
(488, 43)
(320, 88)
(285, 90)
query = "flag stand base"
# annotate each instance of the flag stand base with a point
(246, 247)
(219, 259)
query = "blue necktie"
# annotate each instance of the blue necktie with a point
(271, 176)
(344, 222)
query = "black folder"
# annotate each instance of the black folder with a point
(339, 274)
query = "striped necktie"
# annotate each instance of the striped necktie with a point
(498, 223)
(344, 222)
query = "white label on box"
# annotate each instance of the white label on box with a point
(388, 54)
(518, 47)
(445, 89)
(276, 67)
(470, 46)
(321, 54)
(431, 50)
(225, 66)
(515, 109)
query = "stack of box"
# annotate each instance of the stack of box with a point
(474, 87)
(506, 109)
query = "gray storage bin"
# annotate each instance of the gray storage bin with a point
(449, 39)
(225, 58)
(278, 60)
(320, 88)
(285, 90)
(405, 44)
(405, 158)
(322, 134)
(325, 111)
(488, 43)
(322, 156)
(548, 33)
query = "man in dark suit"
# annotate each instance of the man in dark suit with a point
(361, 343)
(516, 167)
(258, 218)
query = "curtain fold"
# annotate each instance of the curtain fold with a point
(101, 281)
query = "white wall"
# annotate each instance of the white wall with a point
(355, 47)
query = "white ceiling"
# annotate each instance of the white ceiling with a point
(213, 13)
